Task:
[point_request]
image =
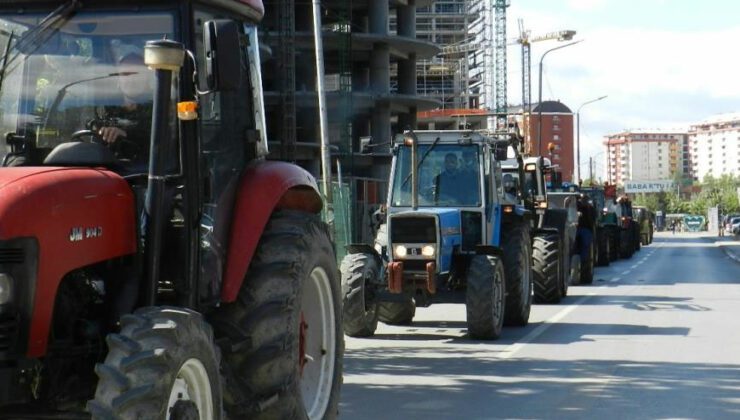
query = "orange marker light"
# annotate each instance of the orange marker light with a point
(187, 111)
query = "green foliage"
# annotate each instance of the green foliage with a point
(720, 192)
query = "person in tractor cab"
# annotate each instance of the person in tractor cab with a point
(448, 182)
(129, 124)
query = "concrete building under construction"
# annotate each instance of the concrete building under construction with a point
(370, 85)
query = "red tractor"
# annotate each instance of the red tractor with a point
(155, 265)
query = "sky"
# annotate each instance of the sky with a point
(664, 64)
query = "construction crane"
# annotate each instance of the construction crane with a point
(526, 40)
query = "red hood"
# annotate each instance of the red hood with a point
(11, 175)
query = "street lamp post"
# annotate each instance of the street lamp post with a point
(539, 100)
(578, 134)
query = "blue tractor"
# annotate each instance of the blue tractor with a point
(451, 231)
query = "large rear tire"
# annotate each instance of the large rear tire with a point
(485, 297)
(397, 313)
(163, 364)
(517, 258)
(546, 268)
(603, 251)
(359, 272)
(614, 245)
(282, 337)
(626, 245)
(587, 267)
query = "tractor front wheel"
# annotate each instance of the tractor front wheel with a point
(163, 364)
(359, 273)
(546, 268)
(397, 313)
(517, 248)
(485, 297)
(282, 339)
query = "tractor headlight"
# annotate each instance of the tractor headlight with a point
(428, 251)
(401, 251)
(6, 288)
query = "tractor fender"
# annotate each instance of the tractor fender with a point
(264, 188)
(489, 250)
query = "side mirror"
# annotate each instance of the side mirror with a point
(223, 55)
(501, 152)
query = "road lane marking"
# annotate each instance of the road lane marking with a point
(625, 272)
(634, 266)
(514, 348)
(615, 279)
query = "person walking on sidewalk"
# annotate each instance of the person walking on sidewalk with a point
(673, 227)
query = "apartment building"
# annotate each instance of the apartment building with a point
(714, 146)
(644, 155)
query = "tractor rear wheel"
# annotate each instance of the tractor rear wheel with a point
(359, 273)
(614, 245)
(603, 247)
(546, 268)
(587, 267)
(626, 245)
(282, 338)
(163, 364)
(397, 313)
(485, 297)
(517, 258)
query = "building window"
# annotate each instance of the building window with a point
(555, 127)
(555, 118)
(555, 137)
(556, 156)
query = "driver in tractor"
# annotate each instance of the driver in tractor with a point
(128, 125)
(448, 182)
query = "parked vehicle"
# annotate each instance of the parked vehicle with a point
(182, 277)
(450, 229)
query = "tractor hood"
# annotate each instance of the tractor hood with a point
(405, 227)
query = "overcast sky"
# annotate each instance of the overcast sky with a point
(662, 63)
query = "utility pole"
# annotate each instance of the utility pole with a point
(591, 170)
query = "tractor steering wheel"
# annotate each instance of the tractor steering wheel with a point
(92, 135)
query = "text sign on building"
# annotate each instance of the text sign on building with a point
(649, 186)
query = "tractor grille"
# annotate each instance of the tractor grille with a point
(414, 230)
(12, 256)
(8, 332)
(415, 265)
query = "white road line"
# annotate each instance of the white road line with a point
(634, 266)
(615, 279)
(514, 348)
(625, 272)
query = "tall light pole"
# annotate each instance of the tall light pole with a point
(539, 101)
(578, 134)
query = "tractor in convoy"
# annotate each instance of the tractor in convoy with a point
(451, 229)
(553, 233)
(153, 265)
(605, 245)
(644, 221)
(629, 230)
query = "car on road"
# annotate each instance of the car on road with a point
(733, 226)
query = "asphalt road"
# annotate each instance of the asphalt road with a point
(655, 337)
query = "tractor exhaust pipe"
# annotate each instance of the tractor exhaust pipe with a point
(164, 57)
(410, 140)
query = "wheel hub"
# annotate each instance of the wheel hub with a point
(184, 410)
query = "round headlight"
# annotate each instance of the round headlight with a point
(401, 251)
(6, 288)
(427, 251)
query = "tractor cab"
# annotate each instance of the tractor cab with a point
(136, 202)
